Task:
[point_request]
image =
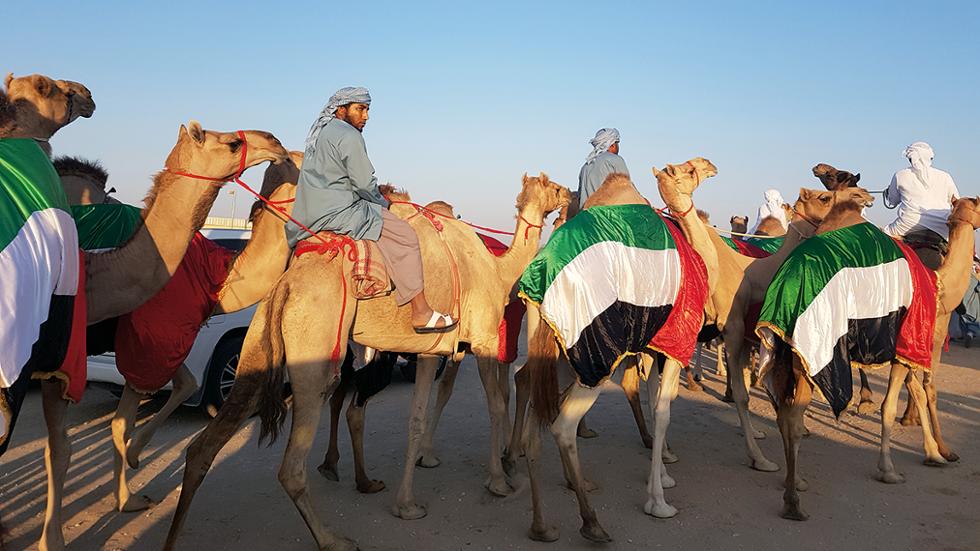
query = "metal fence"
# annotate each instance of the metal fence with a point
(226, 222)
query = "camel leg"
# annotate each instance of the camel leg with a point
(489, 369)
(692, 385)
(522, 382)
(122, 424)
(631, 386)
(889, 407)
(720, 368)
(405, 505)
(428, 458)
(540, 529)
(740, 393)
(328, 469)
(911, 416)
(866, 406)
(57, 456)
(355, 424)
(311, 379)
(661, 394)
(184, 385)
(576, 403)
(789, 417)
(931, 398)
(918, 396)
(653, 387)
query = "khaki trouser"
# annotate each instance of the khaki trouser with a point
(399, 247)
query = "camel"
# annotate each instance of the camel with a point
(739, 224)
(114, 284)
(790, 385)
(251, 272)
(280, 331)
(36, 107)
(84, 181)
(772, 227)
(562, 414)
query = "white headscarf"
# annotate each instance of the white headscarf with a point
(603, 140)
(342, 97)
(772, 207)
(920, 155)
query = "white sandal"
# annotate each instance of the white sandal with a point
(431, 327)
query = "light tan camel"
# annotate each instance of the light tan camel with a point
(790, 387)
(251, 274)
(743, 274)
(476, 288)
(562, 414)
(119, 281)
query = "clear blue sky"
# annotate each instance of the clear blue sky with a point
(468, 96)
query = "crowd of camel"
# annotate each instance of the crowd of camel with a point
(309, 295)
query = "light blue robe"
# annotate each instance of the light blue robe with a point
(594, 173)
(337, 190)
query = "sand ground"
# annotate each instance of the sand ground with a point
(723, 504)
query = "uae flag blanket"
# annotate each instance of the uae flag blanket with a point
(42, 287)
(614, 281)
(852, 297)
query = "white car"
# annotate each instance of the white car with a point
(213, 359)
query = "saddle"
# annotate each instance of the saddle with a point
(368, 274)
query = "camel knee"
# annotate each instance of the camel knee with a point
(293, 480)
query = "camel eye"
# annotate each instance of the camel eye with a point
(235, 145)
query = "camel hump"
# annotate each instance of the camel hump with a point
(617, 189)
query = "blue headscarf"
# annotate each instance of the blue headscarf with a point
(602, 141)
(342, 97)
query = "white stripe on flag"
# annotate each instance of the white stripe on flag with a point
(604, 273)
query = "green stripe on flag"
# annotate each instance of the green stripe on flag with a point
(636, 226)
(770, 245)
(812, 265)
(105, 226)
(28, 184)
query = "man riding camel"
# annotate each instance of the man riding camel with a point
(603, 161)
(925, 198)
(337, 192)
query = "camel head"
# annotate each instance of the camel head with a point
(833, 179)
(740, 224)
(36, 106)
(676, 181)
(442, 208)
(218, 154)
(966, 210)
(540, 193)
(286, 172)
(814, 205)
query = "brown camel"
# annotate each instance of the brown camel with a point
(562, 414)
(84, 181)
(739, 224)
(790, 386)
(772, 227)
(477, 288)
(251, 274)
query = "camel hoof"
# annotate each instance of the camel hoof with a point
(546, 535)
(695, 387)
(341, 544)
(890, 477)
(935, 461)
(728, 398)
(758, 434)
(802, 485)
(428, 462)
(950, 456)
(866, 407)
(508, 464)
(499, 488)
(665, 510)
(647, 442)
(371, 486)
(667, 482)
(409, 512)
(910, 422)
(586, 433)
(668, 457)
(594, 533)
(329, 472)
(764, 465)
(136, 504)
(793, 512)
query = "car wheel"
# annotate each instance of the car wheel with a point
(408, 369)
(221, 373)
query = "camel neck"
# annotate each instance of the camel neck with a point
(530, 222)
(696, 232)
(954, 274)
(255, 270)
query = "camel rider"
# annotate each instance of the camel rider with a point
(603, 161)
(772, 207)
(924, 196)
(337, 192)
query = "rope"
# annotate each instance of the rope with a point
(428, 213)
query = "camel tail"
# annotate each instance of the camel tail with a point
(272, 403)
(542, 363)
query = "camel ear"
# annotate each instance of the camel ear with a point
(8, 80)
(195, 131)
(524, 178)
(804, 194)
(43, 86)
(543, 178)
(656, 173)
(857, 178)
